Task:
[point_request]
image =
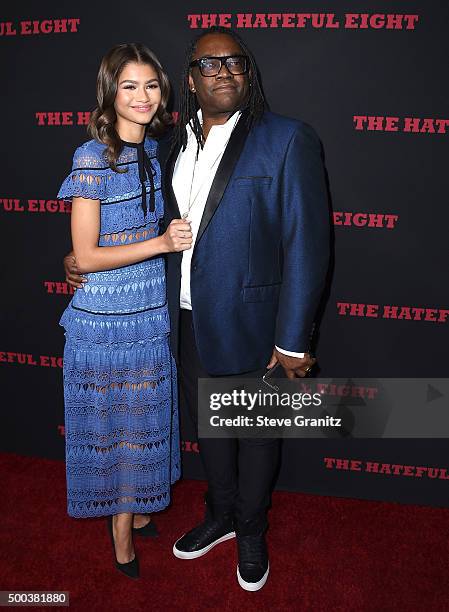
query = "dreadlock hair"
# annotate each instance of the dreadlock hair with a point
(188, 105)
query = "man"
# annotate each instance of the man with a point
(244, 298)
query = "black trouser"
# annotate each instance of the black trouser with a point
(240, 472)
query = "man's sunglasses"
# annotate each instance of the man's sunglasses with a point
(211, 66)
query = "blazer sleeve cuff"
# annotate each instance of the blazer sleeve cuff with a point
(289, 353)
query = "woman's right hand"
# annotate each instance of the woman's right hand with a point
(178, 236)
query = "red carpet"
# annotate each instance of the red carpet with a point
(326, 553)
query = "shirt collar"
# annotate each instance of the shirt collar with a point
(225, 128)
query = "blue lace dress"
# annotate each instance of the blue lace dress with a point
(121, 419)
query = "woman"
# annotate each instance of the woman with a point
(122, 440)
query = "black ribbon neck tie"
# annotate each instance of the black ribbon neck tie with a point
(146, 171)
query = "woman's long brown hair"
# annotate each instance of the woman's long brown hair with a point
(102, 121)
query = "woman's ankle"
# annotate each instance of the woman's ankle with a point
(140, 520)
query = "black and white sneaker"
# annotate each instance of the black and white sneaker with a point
(253, 567)
(201, 539)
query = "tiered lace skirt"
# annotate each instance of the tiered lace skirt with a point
(120, 393)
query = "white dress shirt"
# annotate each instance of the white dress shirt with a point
(192, 180)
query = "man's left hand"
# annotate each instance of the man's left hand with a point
(294, 367)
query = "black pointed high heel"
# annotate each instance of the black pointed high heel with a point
(130, 569)
(147, 531)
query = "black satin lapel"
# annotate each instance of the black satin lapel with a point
(223, 174)
(171, 204)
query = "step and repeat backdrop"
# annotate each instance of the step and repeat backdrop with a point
(371, 78)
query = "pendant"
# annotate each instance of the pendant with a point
(185, 215)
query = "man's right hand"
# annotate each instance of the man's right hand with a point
(72, 275)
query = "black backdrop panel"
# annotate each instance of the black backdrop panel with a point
(376, 91)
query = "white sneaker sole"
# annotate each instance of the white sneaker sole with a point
(253, 586)
(180, 554)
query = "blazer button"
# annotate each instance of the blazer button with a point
(194, 268)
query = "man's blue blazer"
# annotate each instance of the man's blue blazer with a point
(261, 255)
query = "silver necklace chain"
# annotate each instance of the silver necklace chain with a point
(190, 203)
